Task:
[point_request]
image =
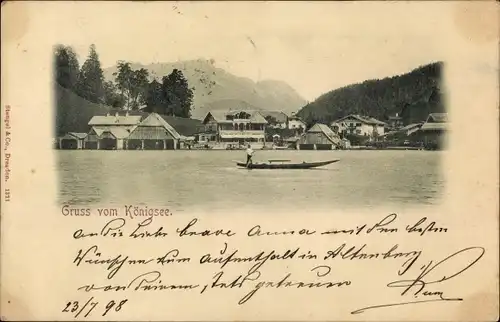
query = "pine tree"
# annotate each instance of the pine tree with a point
(90, 85)
(66, 67)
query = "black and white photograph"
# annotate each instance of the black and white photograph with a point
(218, 117)
(249, 161)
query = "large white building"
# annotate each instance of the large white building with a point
(359, 125)
(295, 122)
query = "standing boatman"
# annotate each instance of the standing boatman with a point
(249, 155)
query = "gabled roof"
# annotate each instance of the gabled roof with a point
(410, 126)
(184, 126)
(115, 119)
(255, 115)
(220, 116)
(155, 120)
(119, 132)
(217, 115)
(323, 128)
(258, 118)
(78, 135)
(150, 133)
(437, 118)
(362, 119)
(433, 126)
(435, 122)
(318, 127)
(279, 116)
(375, 121)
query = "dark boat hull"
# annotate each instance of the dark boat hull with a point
(303, 165)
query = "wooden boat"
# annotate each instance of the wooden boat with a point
(281, 164)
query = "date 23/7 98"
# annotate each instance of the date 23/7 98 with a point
(77, 307)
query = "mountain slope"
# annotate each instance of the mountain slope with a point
(413, 95)
(212, 84)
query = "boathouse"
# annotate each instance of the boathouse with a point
(319, 137)
(153, 133)
(72, 141)
(404, 132)
(433, 131)
(109, 132)
(134, 130)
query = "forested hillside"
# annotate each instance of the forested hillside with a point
(413, 95)
(73, 112)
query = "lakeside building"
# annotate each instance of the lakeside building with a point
(411, 128)
(134, 130)
(319, 137)
(359, 125)
(108, 132)
(404, 132)
(153, 133)
(72, 141)
(395, 122)
(275, 119)
(233, 128)
(296, 123)
(430, 134)
(433, 132)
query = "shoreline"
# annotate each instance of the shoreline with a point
(280, 150)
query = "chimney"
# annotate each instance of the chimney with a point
(116, 114)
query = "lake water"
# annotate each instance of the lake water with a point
(210, 180)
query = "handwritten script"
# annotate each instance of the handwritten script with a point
(411, 275)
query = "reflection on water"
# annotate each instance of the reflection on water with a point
(210, 179)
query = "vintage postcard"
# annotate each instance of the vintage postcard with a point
(249, 161)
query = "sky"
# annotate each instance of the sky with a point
(313, 46)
